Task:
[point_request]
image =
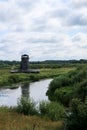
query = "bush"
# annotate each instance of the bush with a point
(34, 77)
(76, 118)
(64, 95)
(81, 91)
(26, 107)
(14, 79)
(51, 110)
(75, 80)
(58, 82)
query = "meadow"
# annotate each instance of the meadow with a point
(9, 79)
(12, 119)
(68, 100)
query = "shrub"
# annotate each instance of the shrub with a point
(51, 110)
(76, 118)
(81, 91)
(58, 82)
(14, 79)
(26, 107)
(34, 77)
(43, 108)
(64, 95)
(77, 82)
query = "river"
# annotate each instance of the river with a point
(35, 90)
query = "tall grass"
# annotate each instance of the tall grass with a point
(49, 110)
(18, 119)
(26, 107)
(15, 121)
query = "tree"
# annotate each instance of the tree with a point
(81, 91)
(76, 117)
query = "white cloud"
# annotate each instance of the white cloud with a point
(45, 29)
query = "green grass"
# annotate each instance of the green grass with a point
(7, 78)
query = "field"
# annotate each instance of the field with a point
(67, 93)
(8, 79)
(15, 121)
(11, 120)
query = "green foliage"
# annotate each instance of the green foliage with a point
(26, 107)
(44, 64)
(68, 86)
(14, 78)
(81, 91)
(80, 75)
(43, 107)
(64, 89)
(56, 85)
(64, 95)
(76, 118)
(59, 82)
(4, 109)
(34, 77)
(51, 110)
(7, 78)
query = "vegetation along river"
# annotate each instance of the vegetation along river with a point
(35, 90)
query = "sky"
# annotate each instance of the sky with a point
(43, 29)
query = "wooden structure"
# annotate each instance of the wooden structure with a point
(24, 66)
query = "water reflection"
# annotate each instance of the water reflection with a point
(25, 90)
(36, 90)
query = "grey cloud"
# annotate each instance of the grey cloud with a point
(78, 4)
(39, 24)
(8, 15)
(27, 4)
(79, 40)
(3, 0)
(45, 41)
(76, 39)
(39, 28)
(80, 37)
(6, 40)
(77, 20)
(59, 13)
(42, 40)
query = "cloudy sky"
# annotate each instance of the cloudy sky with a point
(43, 29)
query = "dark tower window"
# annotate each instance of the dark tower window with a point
(24, 62)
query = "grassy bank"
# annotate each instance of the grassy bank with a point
(13, 121)
(8, 79)
(26, 116)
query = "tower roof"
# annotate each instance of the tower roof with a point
(25, 56)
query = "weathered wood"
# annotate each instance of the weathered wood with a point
(24, 66)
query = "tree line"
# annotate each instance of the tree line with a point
(44, 64)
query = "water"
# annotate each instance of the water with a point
(36, 91)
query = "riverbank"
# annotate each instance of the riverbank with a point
(35, 90)
(9, 79)
(16, 121)
(10, 120)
